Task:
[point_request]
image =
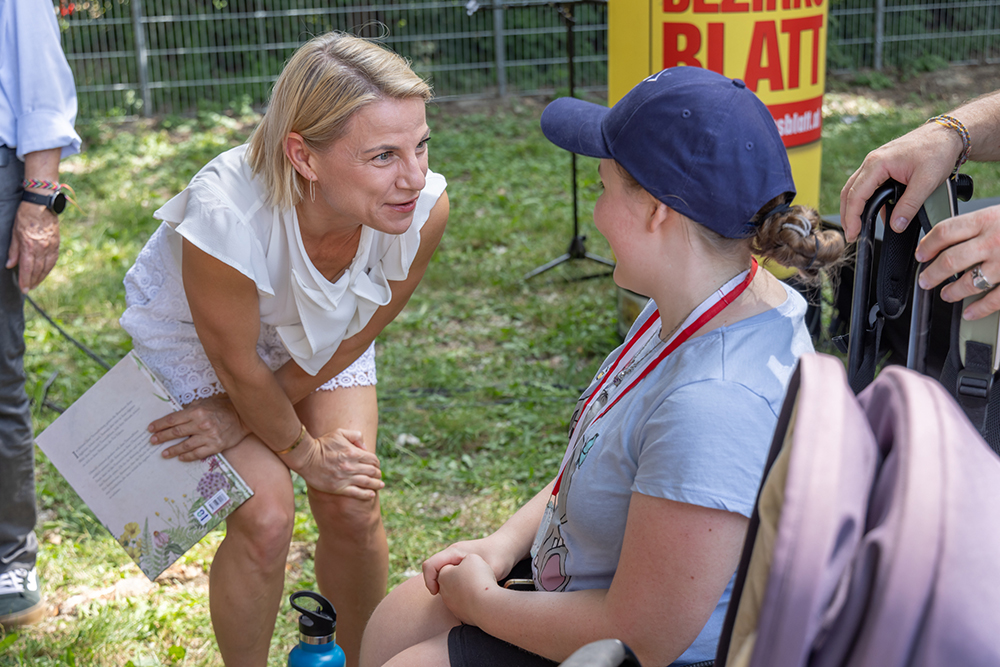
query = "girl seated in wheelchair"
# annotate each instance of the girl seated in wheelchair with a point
(639, 535)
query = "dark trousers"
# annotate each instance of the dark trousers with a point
(18, 545)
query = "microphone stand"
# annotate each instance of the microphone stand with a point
(577, 248)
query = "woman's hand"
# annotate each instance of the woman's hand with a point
(337, 463)
(211, 425)
(485, 549)
(461, 586)
(958, 244)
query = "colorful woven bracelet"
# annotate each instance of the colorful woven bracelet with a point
(955, 124)
(31, 183)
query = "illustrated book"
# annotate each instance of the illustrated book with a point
(156, 508)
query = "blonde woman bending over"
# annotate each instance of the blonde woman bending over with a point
(258, 300)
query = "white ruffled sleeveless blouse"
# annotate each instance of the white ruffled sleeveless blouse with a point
(224, 213)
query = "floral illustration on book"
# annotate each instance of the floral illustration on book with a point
(161, 392)
(183, 521)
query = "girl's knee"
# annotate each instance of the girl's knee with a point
(432, 652)
(409, 616)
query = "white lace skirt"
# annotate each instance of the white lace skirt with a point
(159, 320)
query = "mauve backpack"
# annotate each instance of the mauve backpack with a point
(876, 537)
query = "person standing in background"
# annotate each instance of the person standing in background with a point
(37, 112)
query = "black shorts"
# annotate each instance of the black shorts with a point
(468, 646)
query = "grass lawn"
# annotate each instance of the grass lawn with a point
(477, 376)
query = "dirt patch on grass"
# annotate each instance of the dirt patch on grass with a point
(949, 87)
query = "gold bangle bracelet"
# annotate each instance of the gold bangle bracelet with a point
(302, 434)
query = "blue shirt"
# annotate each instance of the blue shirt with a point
(696, 430)
(37, 95)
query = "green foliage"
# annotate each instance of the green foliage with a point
(930, 62)
(873, 79)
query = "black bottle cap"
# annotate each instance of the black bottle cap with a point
(321, 622)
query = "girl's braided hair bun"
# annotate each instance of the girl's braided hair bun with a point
(793, 236)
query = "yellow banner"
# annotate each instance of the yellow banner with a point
(778, 47)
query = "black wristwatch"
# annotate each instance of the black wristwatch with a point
(55, 202)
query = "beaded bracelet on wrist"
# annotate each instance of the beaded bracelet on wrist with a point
(955, 124)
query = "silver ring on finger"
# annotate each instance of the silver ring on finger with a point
(979, 281)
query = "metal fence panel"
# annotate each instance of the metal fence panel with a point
(134, 57)
(144, 57)
(912, 35)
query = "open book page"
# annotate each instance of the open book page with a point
(156, 508)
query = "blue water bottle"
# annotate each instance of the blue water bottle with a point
(317, 629)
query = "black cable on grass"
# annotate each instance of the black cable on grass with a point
(93, 355)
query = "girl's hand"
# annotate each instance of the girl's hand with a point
(337, 463)
(211, 425)
(462, 586)
(484, 549)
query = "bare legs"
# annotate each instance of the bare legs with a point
(247, 575)
(409, 628)
(352, 557)
(248, 572)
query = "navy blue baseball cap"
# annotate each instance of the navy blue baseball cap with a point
(699, 142)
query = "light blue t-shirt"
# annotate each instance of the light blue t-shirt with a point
(696, 429)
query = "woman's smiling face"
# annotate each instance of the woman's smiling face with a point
(375, 172)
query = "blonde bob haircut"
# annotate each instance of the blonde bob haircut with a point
(326, 81)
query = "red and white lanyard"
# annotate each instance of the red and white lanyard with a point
(698, 318)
